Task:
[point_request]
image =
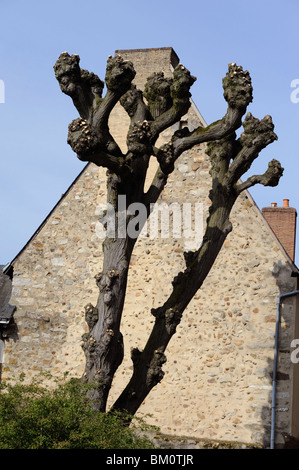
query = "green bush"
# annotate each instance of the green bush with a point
(35, 417)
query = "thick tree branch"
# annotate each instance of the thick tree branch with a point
(155, 189)
(157, 92)
(139, 139)
(83, 87)
(132, 102)
(165, 157)
(139, 134)
(238, 94)
(180, 96)
(269, 178)
(92, 140)
(256, 136)
(84, 142)
(118, 78)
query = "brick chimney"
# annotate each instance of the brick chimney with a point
(282, 221)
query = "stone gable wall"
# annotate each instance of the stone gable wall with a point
(217, 382)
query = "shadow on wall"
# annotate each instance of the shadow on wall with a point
(281, 423)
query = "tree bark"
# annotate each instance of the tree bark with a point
(103, 346)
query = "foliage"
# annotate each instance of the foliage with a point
(36, 417)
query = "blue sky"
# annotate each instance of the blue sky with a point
(37, 165)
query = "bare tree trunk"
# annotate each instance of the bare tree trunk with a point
(104, 345)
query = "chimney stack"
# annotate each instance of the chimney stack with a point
(282, 221)
(148, 61)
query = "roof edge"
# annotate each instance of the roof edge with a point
(5, 269)
(282, 249)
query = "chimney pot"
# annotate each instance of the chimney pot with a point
(273, 204)
(286, 203)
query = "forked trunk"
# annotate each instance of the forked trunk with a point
(167, 101)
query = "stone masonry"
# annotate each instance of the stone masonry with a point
(218, 374)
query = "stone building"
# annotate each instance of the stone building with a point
(220, 375)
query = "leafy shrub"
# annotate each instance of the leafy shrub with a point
(35, 417)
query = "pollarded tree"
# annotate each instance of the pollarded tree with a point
(162, 103)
